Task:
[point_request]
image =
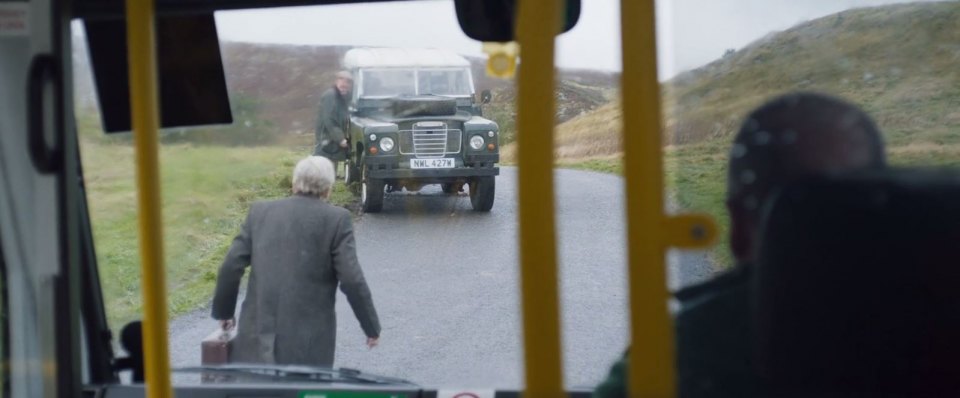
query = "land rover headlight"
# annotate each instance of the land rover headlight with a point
(476, 142)
(386, 144)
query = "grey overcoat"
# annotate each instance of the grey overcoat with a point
(299, 249)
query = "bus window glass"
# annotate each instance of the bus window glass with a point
(426, 172)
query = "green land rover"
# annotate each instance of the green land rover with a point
(416, 121)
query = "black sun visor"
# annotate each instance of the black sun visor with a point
(192, 86)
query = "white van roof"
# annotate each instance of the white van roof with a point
(402, 57)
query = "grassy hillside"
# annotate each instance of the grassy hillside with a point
(573, 99)
(899, 62)
(287, 79)
(206, 193)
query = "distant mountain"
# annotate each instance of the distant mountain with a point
(900, 62)
(285, 82)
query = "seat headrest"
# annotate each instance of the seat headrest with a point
(857, 286)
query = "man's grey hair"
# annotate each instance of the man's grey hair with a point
(313, 176)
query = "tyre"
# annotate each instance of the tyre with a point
(350, 173)
(424, 106)
(449, 188)
(371, 194)
(482, 191)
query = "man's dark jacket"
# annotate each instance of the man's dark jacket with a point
(714, 336)
(300, 249)
(333, 121)
(712, 340)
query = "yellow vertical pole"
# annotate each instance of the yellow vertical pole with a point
(538, 258)
(651, 366)
(141, 47)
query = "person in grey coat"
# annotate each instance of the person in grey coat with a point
(299, 249)
(333, 120)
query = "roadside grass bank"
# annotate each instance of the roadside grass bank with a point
(206, 192)
(696, 177)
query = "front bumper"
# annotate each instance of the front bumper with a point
(389, 167)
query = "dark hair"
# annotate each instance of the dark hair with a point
(800, 134)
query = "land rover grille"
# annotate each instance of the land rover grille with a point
(430, 140)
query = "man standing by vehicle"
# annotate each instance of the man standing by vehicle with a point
(299, 248)
(333, 120)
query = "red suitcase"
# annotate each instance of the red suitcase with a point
(215, 350)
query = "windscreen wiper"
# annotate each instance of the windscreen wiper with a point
(297, 373)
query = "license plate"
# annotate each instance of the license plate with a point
(442, 163)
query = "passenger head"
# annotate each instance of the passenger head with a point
(313, 176)
(793, 136)
(344, 82)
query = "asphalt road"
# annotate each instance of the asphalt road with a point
(445, 282)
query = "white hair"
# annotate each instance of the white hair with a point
(313, 176)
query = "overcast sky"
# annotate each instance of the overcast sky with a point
(691, 32)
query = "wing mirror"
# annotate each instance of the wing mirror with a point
(485, 97)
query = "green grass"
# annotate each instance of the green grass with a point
(696, 177)
(607, 165)
(206, 193)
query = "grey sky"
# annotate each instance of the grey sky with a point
(691, 32)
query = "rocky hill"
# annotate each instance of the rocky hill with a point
(899, 62)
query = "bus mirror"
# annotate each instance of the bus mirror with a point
(485, 97)
(494, 20)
